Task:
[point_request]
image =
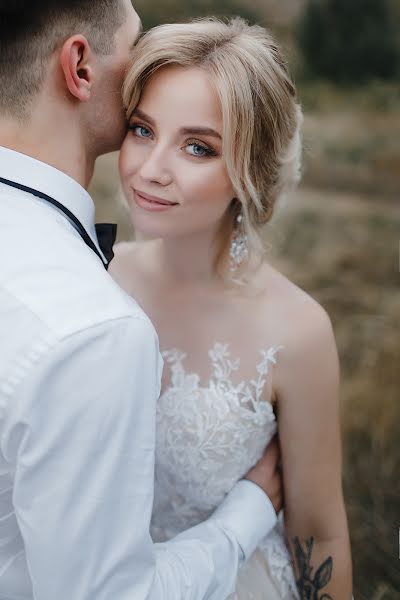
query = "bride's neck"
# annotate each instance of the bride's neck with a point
(188, 260)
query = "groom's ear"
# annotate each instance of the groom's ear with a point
(76, 63)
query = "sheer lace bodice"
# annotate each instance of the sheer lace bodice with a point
(208, 437)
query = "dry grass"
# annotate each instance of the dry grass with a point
(350, 149)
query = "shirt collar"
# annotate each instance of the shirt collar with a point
(33, 173)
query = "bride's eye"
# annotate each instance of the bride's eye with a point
(197, 149)
(140, 130)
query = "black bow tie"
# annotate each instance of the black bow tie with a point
(106, 235)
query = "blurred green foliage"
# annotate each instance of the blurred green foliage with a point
(349, 41)
(154, 12)
(375, 96)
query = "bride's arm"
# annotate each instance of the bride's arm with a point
(308, 407)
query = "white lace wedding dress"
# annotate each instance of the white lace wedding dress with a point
(208, 437)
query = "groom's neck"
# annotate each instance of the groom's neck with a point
(55, 141)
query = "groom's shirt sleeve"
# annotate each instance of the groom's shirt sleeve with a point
(82, 435)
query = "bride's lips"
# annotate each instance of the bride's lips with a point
(152, 203)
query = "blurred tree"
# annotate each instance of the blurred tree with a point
(349, 40)
(154, 12)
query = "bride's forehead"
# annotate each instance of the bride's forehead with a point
(180, 90)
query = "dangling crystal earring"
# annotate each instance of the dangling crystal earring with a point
(239, 247)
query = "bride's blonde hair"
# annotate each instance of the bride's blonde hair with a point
(260, 112)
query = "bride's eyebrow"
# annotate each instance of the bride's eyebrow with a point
(201, 131)
(142, 115)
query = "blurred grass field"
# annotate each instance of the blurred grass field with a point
(344, 250)
(339, 239)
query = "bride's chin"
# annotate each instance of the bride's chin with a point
(157, 226)
(145, 226)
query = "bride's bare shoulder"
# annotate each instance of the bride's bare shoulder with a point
(280, 288)
(292, 307)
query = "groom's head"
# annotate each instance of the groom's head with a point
(70, 56)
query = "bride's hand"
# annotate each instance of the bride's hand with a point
(268, 475)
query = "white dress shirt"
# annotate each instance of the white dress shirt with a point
(79, 381)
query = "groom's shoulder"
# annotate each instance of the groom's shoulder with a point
(68, 295)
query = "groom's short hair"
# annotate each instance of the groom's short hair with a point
(31, 30)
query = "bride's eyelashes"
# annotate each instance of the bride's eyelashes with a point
(198, 148)
(141, 131)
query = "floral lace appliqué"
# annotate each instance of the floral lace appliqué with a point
(246, 394)
(249, 393)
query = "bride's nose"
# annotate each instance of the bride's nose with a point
(155, 168)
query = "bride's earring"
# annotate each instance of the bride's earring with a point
(239, 245)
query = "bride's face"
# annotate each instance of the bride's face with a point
(171, 164)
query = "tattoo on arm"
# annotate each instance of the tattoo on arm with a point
(309, 584)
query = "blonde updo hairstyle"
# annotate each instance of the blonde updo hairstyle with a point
(260, 113)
